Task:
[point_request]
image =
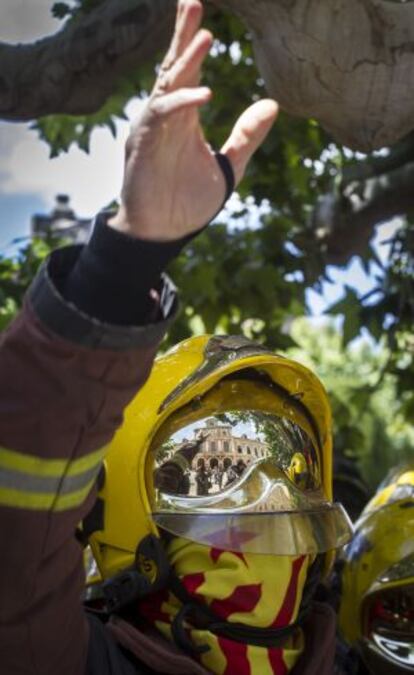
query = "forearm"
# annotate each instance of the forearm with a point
(65, 378)
(117, 278)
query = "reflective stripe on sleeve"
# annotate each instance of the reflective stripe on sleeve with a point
(46, 484)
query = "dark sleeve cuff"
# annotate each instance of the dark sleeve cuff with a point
(115, 275)
(65, 318)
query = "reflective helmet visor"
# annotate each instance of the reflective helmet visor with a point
(244, 480)
(390, 622)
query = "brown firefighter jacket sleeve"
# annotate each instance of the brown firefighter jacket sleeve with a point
(64, 382)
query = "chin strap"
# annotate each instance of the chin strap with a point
(200, 616)
(149, 574)
(152, 572)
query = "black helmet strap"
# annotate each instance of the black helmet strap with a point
(200, 616)
(152, 572)
(149, 574)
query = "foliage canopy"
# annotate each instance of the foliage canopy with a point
(250, 273)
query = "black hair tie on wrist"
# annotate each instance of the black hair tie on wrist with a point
(228, 173)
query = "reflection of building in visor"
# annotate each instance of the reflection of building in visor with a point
(252, 481)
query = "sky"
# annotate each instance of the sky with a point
(29, 180)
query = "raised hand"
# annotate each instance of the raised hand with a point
(172, 182)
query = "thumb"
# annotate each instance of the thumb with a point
(248, 134)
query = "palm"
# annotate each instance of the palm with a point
(180, 171)
(193, 174)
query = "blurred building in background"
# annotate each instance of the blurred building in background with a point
(62, 222)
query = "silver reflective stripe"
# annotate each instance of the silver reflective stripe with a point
(43, 484)
(16, 480)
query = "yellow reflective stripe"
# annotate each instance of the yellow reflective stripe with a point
(84, 464)
(36, 483)
(72, 500)
(41, 501)
(26, 500)
(10, 459)
(37, 466)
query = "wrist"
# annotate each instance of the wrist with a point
(122, 222)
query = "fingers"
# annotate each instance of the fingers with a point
(248, 134)
(181, 99)
(186, 72)
(190, 46)
(188, 21)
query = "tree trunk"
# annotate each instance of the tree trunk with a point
(347, 63)
(74, 71)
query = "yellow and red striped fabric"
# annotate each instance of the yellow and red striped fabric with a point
(256, 590)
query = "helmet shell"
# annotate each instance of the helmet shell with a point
(186, 372)
(379, 558)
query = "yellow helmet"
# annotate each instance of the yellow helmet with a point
(298, 469)
(209, 387)
(377, 605)
(396, 486)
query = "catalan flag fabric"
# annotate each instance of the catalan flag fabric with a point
(260, 591)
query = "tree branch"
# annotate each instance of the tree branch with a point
(344, 224)
(74, 71)
(401, 153)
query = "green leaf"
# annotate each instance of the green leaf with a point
(60, 10)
